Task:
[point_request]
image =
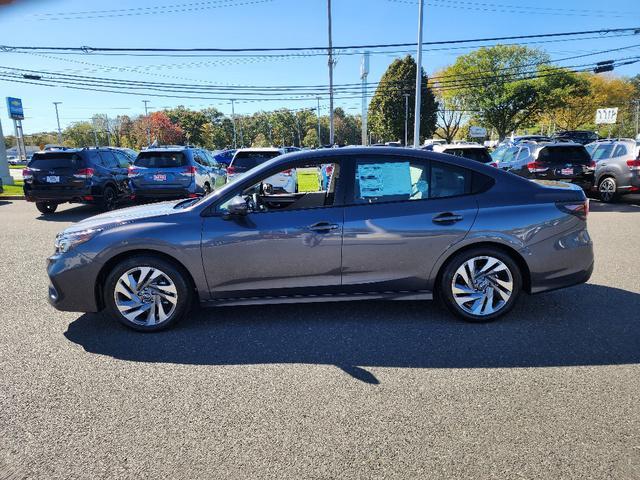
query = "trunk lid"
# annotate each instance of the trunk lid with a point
(56, 170)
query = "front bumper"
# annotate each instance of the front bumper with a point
(73, 279)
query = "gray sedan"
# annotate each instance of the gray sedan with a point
(391, 223)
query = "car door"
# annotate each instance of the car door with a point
(400, 216)
(124, 162)
(267, 253)
(218, 174)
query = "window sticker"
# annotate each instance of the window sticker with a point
(384, 179)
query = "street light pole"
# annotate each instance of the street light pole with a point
(331, 131)
(233, 120)
(416, 128)
(146, 114)
(406, 118)
(55, 104)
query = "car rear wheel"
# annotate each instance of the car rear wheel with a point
(46, 207)
(481, 284)
(109, 199)
(608, 189)
(207, 189)
(147, 294)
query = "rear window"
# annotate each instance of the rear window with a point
(51, 161)
(575, 155)
(477, 154)
(161, 160)
(247, 160)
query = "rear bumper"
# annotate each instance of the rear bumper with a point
(162, 192)
(57, 195)
(560, 261)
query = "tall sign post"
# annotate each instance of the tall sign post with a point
(4, 165)
(418, 113)
(364, 72)
(16, 113)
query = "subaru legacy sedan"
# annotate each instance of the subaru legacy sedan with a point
(390, 223)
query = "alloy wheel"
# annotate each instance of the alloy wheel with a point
(145, 296)
(607, 189)
(482, 285)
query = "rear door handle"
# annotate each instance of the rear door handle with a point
(447, 217)
(323, 227)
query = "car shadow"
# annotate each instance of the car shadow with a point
(585, 325)
(73, 214)
(625, 204)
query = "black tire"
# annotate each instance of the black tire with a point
(608, 190)
(109, 199)
(176, 275)
(207, 189)
(46, 208)
(445, 284)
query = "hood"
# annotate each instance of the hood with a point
(125, 215)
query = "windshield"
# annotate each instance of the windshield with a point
(477, 154)
(51, 161)
(244, 161)
(160, 160)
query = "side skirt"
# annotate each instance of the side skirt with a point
(341, 297)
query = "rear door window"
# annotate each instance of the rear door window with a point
(620, 150)
(603, 151)
(161, 160)
(123, 160)
(449, 181)
(109, 160)
(52, 161)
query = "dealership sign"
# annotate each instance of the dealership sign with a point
(14, 107)
(606, 115)
(477, 132)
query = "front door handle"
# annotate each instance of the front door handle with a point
(447, 218)
(323, 227)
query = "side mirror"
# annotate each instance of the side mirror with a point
(267, 189)
(237, 206)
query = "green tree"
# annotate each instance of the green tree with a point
(260, 141)
(79, 134)
(310, 138)
(387, 107)
(509, 86)
(190, 122)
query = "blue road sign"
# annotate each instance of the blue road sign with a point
(14, 107)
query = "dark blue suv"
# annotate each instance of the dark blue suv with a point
(85, 175)
(174, 172)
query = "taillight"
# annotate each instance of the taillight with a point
(84, 173)
(536, 167)
(634, 164)
(27, 174)
(579, 209)
(329, 170)
(133, 172)
(494, 164)
(189, 171)
(592, 166)
(286, 173)
(231, 170)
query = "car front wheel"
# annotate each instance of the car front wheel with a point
(481, 284)
(147, 293)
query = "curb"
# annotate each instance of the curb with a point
(11, 197)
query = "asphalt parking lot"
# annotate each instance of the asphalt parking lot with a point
(344, 390)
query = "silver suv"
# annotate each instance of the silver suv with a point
(617, 167)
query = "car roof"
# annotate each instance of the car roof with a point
(259, 149)
(451, 146)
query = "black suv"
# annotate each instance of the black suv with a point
(578, 136)
(87, 175)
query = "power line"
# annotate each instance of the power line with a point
(89, 49)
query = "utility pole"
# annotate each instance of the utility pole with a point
(233, 120)
(364, 71)
(331, 63)
(416, 128)
(318, 115)
(406, 119)
(637, 102)
(55, 104)
(106, 122)
(146, 114)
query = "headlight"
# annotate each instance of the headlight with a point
(66, 241)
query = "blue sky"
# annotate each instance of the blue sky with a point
(268, 23)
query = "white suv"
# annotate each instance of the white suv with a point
(247, 158)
